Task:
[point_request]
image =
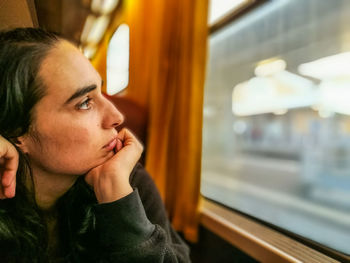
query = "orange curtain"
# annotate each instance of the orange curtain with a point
(167, 71)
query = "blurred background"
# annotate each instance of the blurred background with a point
(242, 102)
(276, 118)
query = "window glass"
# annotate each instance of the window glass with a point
(118, 61)
(276, 130)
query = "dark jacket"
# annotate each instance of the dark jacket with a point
(136, 229)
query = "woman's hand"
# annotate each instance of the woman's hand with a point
(8, 169)
(110, 180)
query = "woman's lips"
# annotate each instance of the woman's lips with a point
(110, 146)
(115, 144)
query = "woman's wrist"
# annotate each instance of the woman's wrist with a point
(112, 189)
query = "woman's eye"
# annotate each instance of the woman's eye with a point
(85, 105)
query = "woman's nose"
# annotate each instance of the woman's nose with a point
(112, 116)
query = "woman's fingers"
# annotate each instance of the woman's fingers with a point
(8, 165)
(8, 181)
(9, 171)
(119, 145)
(128, 139)
(9, 190)
(128, 152)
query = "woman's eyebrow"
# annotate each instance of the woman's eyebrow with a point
(81, 92)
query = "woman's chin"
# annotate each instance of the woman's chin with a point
(110, 155)
(105, 158)
(99, 162)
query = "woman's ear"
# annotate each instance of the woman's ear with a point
(21, 143)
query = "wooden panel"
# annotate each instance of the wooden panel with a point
(15, 13)
(49, 14)
(260, 242)
(73, 20)
(66, 17)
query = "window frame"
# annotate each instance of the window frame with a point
(229, 17)
(258, 240)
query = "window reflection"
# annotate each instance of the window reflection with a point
(276, 132)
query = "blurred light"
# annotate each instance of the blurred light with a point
(89, 51)
(327, 67)
(280, 112)
(270, 67)
(103, 6)
(273, 94)
(220, 8)
(323, 113)
(315, 107)
(335, 94)
(95, 31)
(87, 28)
(118, 61)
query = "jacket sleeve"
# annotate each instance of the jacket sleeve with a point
(136, 229)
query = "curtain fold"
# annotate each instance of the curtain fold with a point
(167, 71)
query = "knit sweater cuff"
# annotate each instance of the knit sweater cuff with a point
(123, 223)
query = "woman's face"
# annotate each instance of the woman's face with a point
(73, 122)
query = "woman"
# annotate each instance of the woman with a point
(79, 196)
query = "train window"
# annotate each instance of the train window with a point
(118, 61)
(276, 129)
(219, 8)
